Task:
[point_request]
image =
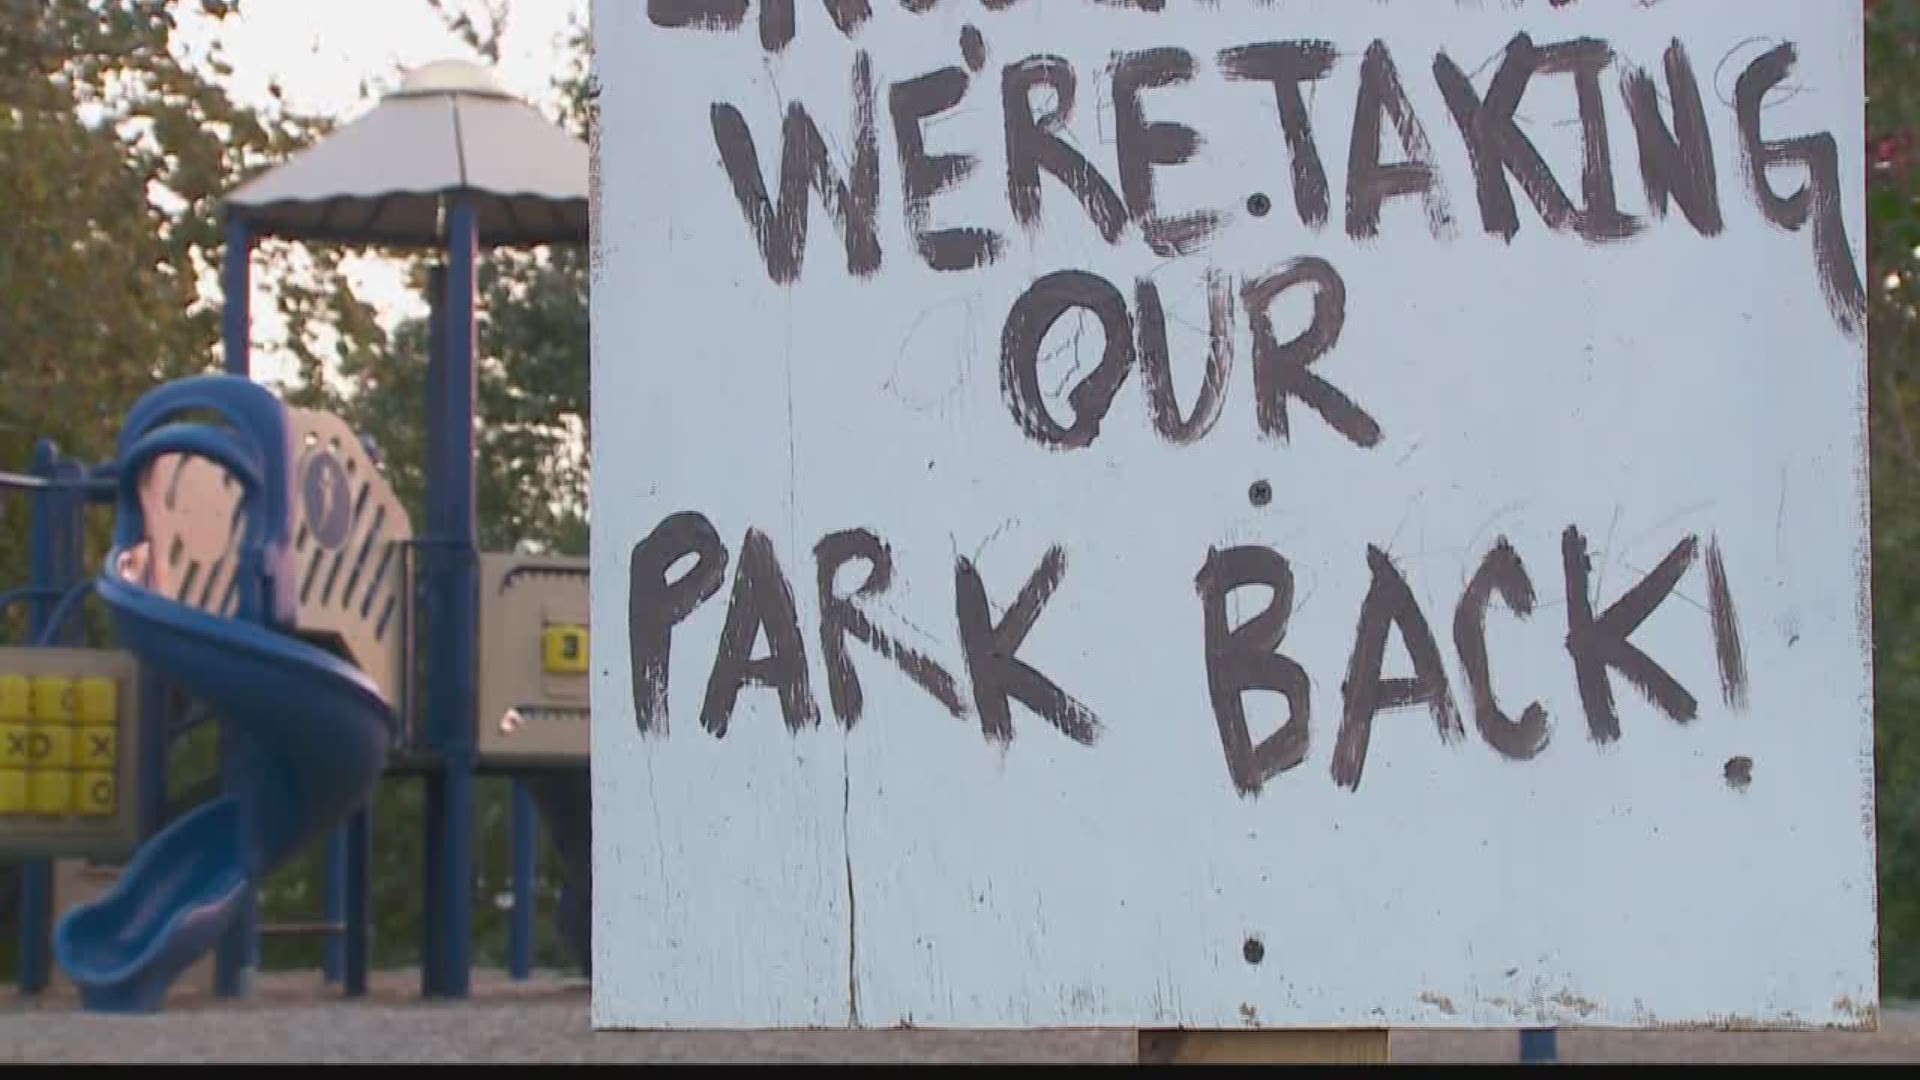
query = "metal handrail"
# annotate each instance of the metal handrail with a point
(23, 481)
(96, 482)
(29, 592)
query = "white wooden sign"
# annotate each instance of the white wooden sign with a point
(1217, 514)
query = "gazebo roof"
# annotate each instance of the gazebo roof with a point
(450, 128)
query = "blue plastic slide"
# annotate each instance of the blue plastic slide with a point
(313, 729)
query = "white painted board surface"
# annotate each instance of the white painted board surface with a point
(1652, 360)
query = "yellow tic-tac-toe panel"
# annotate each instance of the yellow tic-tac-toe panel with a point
(69, 751)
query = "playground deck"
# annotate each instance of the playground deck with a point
(295, 1018)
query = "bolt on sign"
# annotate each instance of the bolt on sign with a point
(1284, 514)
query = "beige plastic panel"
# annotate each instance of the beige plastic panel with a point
(347, 543)
(69, 753)
(529, 712)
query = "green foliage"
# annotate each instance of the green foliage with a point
(114, 158)
(1893, 274)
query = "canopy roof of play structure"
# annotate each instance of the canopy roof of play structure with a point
(450, 128)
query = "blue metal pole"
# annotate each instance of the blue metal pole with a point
(425, 735)
(334, 906)
(236, 956)
(64, 507)
(455, 610)
(1539, 1045)
(156, 730)
(238, 951)
(520, 930)
(433, 960)
(58, 544)
(36, 875)
(359, 900)
(236, 286)
(57, 552)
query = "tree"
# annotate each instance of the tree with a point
(114, 158)
(1893, 237)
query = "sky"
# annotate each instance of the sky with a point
(336, 57)
(322, 53)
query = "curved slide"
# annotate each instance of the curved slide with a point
(314, 731)
(318, 730)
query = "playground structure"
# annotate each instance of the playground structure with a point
(281, 600)
(262, 566)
